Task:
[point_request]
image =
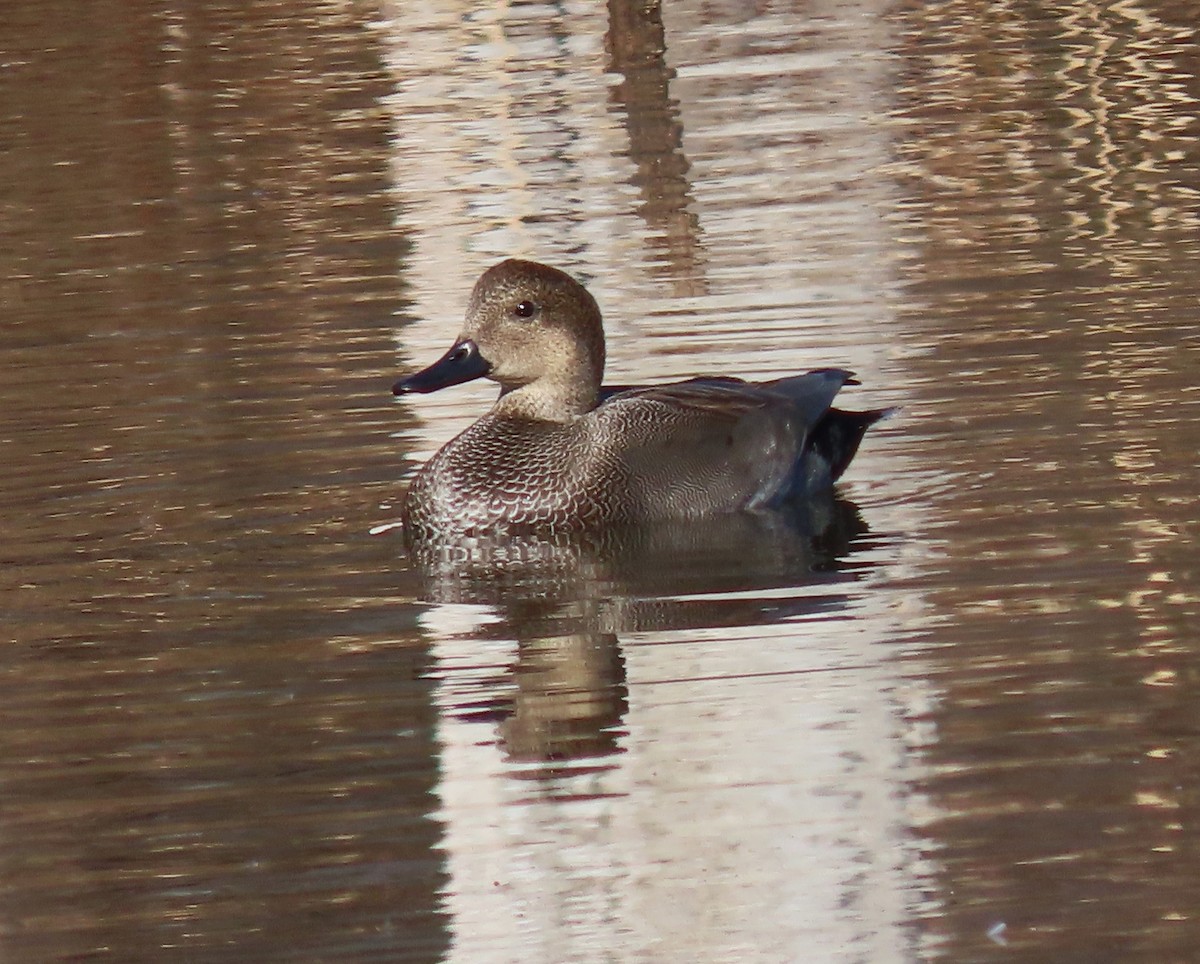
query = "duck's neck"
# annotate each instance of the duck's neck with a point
(545, 402)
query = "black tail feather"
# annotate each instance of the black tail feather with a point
(835, 438)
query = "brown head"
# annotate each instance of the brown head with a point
(536, 331)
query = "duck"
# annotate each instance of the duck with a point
(561, 451)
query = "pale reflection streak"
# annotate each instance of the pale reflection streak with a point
(747, 789)
(503, 149)
(736, 792)
(790, 154)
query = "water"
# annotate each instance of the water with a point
(954, 724)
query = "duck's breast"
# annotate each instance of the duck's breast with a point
(517, 473)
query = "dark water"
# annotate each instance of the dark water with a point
(947, 717)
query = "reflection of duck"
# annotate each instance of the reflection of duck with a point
(568, 599)
(666, 574)
(557, 451)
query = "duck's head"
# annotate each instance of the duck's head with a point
(536, 331)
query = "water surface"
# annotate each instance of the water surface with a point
(947, 718)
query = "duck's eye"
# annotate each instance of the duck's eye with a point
(525, 309)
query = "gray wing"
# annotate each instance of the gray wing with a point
(715, 444)
(813, 392)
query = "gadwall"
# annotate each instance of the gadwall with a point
(559, 451)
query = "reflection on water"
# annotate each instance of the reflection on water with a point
(1058, 209)
(637, 51)
(620, 701)
(197, 290)
(741, 551)
(952, 722)
(569, 599)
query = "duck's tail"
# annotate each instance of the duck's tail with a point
(836, 437)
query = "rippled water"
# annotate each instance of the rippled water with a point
(946, 717)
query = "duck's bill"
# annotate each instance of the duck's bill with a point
(461, 363)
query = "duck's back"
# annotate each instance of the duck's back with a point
(701, 447)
